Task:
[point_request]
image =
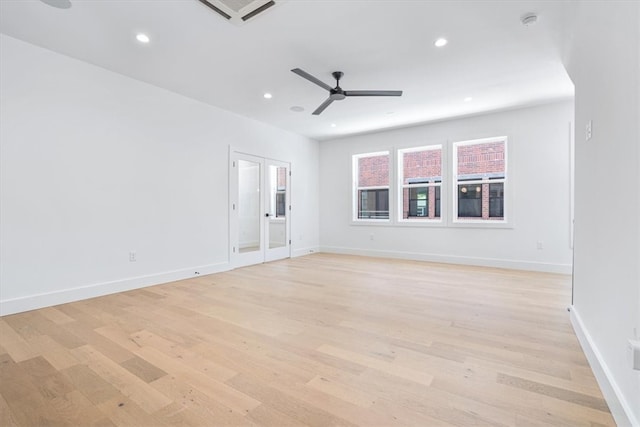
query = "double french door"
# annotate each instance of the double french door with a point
(259, 210)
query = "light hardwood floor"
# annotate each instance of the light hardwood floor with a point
(321, 340)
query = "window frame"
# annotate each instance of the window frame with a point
(401, 186)
(355, 199)
(505, 222)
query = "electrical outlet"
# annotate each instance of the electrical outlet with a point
(133, 256)
(539, 245)
(371, 236)
(588, 130)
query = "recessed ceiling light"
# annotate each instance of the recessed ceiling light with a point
(333, 125)
(267, 95)
(142, 38)
(468, 99)
(441, 42)
(297, 109)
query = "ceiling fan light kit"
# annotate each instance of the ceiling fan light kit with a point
(337, 93)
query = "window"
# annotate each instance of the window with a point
(281, 204)
(420, 182)
(371, 184)
(278, 181)
(480, 178)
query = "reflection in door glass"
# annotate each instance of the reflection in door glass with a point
(277, 184)
(249, 206)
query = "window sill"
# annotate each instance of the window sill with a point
(376, 222)
(481, 224)
(422, 223)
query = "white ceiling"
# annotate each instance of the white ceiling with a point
(378, 44)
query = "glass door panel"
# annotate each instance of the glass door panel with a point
(248, 206)
(277, 206)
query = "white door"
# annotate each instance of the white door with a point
(258, 210)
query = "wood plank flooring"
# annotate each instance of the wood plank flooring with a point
(322, 340)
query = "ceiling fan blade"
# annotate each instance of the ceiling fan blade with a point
(312, 79)
(372, 93)
(322, 106)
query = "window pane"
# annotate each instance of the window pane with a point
(482, 160)
(470, 201)
(373, 171)
(373, 204)
(417, 202)
(496, 200)
(281, 199)
(422, 166)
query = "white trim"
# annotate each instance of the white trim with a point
(305, 251)
(374, 187)
(454, 259)
(371, 221)
(572, 186)
(481, 141)
(372, 154)
(412, 149)
(618, 405)
(32, 302)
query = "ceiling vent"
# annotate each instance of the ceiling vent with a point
(239, 11)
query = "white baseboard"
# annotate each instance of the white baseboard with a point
(454, 259)
(32, 302)
(304, 251)
(618, 405)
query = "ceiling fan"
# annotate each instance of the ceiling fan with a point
(337, 93)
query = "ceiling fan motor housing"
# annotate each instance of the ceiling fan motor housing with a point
(337, 94)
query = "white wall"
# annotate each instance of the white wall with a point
(604, 63)
(95, 164)
(539, 177)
